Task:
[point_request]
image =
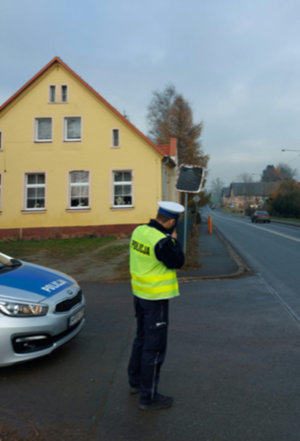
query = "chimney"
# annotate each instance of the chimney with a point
(173, 146)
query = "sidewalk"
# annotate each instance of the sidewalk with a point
(216, 257)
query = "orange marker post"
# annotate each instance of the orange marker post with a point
(210, 224)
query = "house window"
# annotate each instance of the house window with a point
(43, 129)
(52, 94)
(73, 129)
(115, 138)
(122, 188)
(64, 94)
(35, 191)
(79, 189)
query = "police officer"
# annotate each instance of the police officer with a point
(155, 253)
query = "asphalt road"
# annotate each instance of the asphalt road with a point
(232, 366)
(232, 363)
(272, 251)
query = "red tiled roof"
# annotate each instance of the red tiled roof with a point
(166, 148)
(170, 149)
(159, 149)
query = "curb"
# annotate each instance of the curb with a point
(242, 271)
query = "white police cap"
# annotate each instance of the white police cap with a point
(171, 209)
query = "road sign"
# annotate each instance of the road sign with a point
(190, 178)
(196, 198)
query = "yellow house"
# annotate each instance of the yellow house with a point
(71, 164)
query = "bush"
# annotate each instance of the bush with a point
(287, 205)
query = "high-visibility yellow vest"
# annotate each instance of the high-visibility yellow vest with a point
(150, 279)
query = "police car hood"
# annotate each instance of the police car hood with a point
(34, 283)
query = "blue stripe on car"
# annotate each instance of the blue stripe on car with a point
(36, 280)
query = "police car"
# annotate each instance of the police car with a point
(40, 310)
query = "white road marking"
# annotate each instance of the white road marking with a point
(279, 298)
(260, 228)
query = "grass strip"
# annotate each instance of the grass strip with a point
(192, 251)
(54, 247)
(285, 219)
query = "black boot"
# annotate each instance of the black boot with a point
(162, 402)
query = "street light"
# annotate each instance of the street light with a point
(289, 150)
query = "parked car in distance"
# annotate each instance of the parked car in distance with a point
(40, 310)
(260, 216)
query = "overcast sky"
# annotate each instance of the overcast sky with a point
(237, 62)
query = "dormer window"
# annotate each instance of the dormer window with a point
(115, 138)
(64, 94)
(52, 94)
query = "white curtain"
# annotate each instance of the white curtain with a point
(73, 128)
(44, 128)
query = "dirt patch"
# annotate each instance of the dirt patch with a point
(88, 259)
(102, 263)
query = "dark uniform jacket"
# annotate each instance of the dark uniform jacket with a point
(168, 250)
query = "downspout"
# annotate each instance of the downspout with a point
(164, 177)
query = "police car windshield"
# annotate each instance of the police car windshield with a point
(6, 261)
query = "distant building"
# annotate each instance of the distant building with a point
(241, 195)
(71, 164)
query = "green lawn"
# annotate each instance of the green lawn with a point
(288, 219)
(57, 247)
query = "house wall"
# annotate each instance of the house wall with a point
(242, 201)
(21, 155)
(171, 176)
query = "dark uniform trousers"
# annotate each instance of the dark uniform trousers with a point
(149, 347)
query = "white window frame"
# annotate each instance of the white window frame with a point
(114, 184)
(26, 186)
(112, 138)
(61, 93)
(65, 139)
(36, 128)
(1, 140)
(49, 96)
(76, 184)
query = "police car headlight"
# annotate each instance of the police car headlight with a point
(19, 309)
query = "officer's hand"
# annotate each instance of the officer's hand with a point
(174, 234)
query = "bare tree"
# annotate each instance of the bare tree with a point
(216, 187)
(159, 110)
(282, 172)
(170, 115)
(180, 125)
(244, 177)
(286, 172)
